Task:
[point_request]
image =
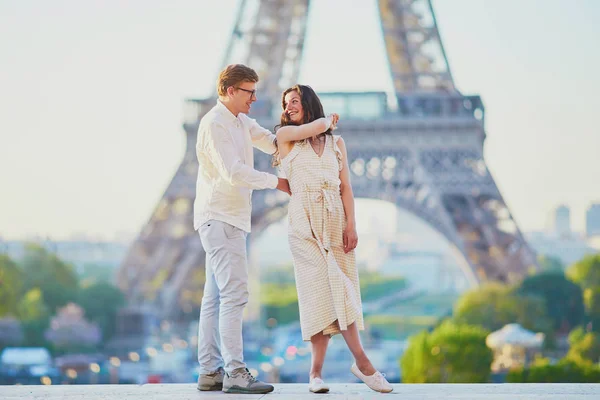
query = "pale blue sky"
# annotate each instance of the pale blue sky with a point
(91, 97)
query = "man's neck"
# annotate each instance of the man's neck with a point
(228, 105)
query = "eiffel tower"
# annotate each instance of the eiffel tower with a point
(420, 148)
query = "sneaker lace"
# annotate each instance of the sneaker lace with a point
(380, 377)
(248, 376)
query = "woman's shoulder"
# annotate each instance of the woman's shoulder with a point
(338, 145)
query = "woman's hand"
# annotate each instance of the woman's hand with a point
(350, 238)
(334, 120)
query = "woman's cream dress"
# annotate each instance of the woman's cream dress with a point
(326, 277)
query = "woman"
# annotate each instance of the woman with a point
(322, 233)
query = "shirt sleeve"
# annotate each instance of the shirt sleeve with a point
(262, 138)
(222, 151)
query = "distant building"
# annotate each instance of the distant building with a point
(592, 220)
(562, 221)
(568, 249)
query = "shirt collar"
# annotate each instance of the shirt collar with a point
(225, 112)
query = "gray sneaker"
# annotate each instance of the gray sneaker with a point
(242, 381)
(212, 381)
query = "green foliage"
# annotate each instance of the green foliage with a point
(450, 354)
(565, 371)
(591, 298)
(563, 299)
(273, 294)
(34, 290)
(280, 301)
(34, 317)
(31, 307)
(56, 279)
(586, 272)
(284, 314)
(374, 286)
(576, 335)
(550, 264)
(277, 292)
(279, 297)
(33, 331)
(282, 274)
(584, 347)
(101, 303)
(96, 273)
(494, 305)
(11, 285)
(394, 327)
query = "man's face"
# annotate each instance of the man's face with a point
(244, 94)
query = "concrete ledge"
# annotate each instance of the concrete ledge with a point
(300, 391)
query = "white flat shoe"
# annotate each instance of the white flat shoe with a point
(318, 386)
(377, 381)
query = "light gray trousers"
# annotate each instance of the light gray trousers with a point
(225, 296)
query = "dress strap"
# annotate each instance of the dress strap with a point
(338, 152)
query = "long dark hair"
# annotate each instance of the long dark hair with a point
(311, 107)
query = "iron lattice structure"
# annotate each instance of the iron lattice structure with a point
(422, 151)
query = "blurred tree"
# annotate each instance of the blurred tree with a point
(586, 272)
(11, 285)
(69, 331)
(591, 298)
(56, 279)
(550, 264)
(96, 273)
(450, 354)
(374, 285)
(494, 305)
(563, 298)
(566, 370)
(101, 303)
(576, 335)
(279, 301)
(31, 306)
(34, 316)
(11, 332)
(584, 346)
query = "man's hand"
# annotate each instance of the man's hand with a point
(284, 186)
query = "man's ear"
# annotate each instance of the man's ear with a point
(230, 90)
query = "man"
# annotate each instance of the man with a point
(222, 212)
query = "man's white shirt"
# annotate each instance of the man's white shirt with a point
(226, 174)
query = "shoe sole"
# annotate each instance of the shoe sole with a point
(321, 390)
(241, 390)
(375, 390)
(210, 388)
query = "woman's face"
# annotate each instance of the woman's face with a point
(293, 107)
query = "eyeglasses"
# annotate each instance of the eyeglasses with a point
(252, 92)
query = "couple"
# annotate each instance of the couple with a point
(322, 231)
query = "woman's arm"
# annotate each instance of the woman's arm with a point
(293, 133)
(350, 236)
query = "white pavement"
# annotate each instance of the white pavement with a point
(352, 391)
